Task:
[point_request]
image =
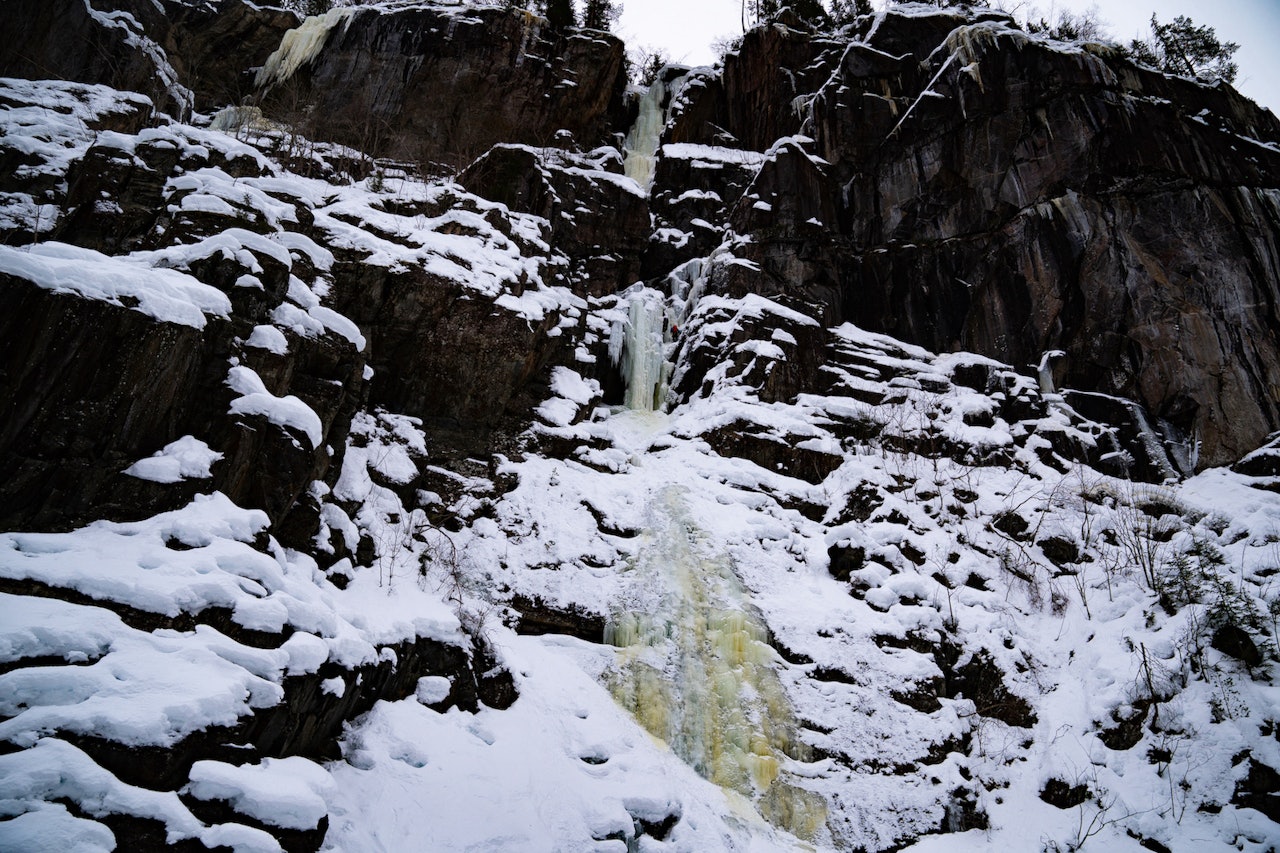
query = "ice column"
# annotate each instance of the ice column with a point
(639, 348)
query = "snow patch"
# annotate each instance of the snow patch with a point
(162, 294)
(286, 411)
(188, 458)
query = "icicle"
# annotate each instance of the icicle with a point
(687, 284)
(643, 350)
(1044, 370)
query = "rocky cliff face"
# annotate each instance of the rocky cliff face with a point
(121, 45)
(334, 533)
(217, 46)
(180, 54)
(971, 187)
(444, 84)
(568, 190)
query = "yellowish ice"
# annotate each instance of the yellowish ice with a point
(696, 670)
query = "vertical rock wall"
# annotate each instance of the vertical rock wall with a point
(444, 85)
(971, 187)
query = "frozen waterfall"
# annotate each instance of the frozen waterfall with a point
(695, 670)
(641, 144)
(300, 46)
(639, 348)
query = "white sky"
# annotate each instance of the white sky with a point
(686, 28)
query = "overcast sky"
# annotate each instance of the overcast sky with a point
(686, 28)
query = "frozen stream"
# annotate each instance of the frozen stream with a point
(695, 670)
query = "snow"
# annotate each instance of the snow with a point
(305, 652)
(49, 124)
(55, 769)
(186, 458)
(712, 154)
(711, 573)
(137, 565)
(459, 246)
(162, 294)
(781, 558)
(270, 339)
(594, 771)
(410, 772)
(288, 792)
(141, 693)
(287, 411)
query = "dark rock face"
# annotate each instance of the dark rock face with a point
(571, 191)
(775, 66)
(217, 45)
(1064, 795)
(1235, 641)
(432, 85)
(694, 188)
(84, 41)
(1263, 465)
(538, 618)
(64, 368)
(1259, 790)
(439, 354)
(84, 407)
(181, 53)
(1006, 197)
(700, 114)
(92, 387)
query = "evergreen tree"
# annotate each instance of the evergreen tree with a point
(1183, 48)
(645, 63)
(1084, 27)
(810, 11)
(758, 11)
(844, 11)
(600, 14)
(559, 13)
